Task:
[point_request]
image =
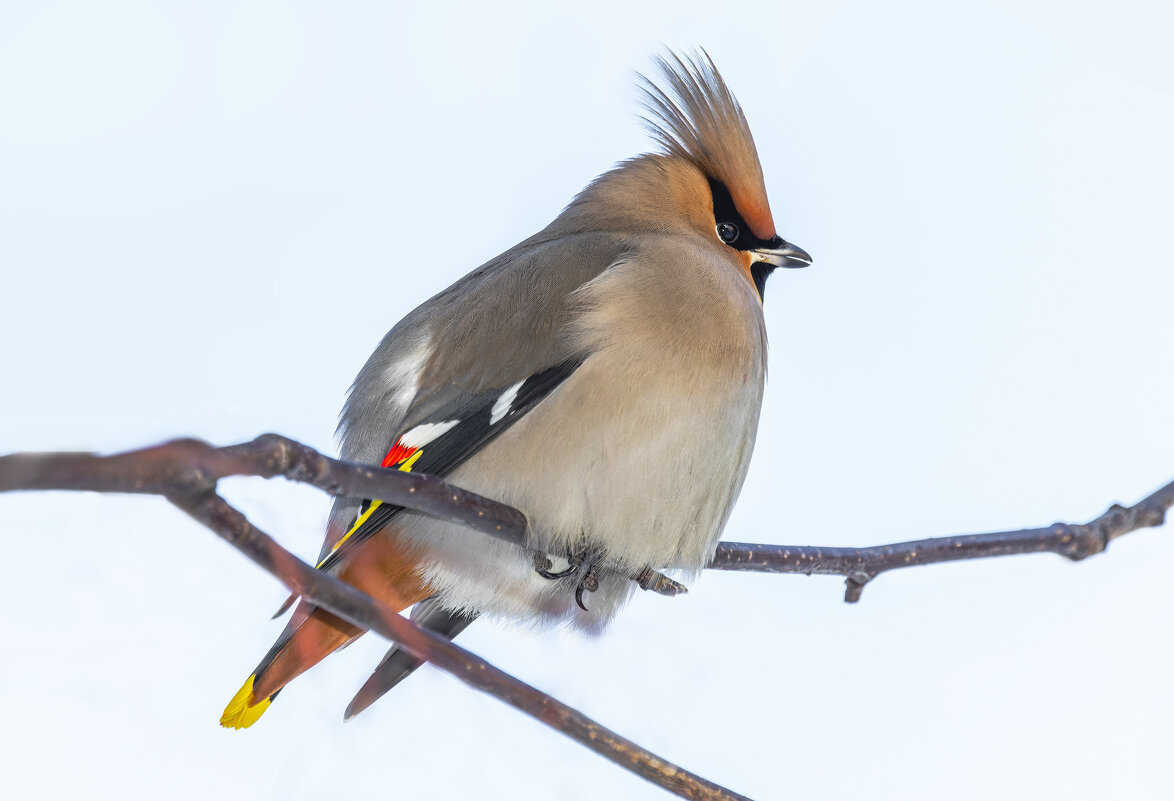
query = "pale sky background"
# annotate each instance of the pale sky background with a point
(210, 213)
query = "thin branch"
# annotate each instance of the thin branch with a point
(185, 472)
(861, 565)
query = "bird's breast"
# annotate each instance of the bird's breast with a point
(640, 452)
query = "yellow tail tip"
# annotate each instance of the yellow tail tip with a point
(242, 711)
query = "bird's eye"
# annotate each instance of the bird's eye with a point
(727, 232)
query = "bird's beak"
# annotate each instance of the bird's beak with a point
(781, 253)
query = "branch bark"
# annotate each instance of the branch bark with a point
(186, 473)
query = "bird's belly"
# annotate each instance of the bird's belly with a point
(648, 479)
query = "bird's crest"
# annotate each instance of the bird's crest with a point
(697, 118)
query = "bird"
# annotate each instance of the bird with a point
(604, 376)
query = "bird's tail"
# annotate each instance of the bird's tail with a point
(380, 569)
(302, 645)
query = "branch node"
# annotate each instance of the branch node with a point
(649, 579)
(854, 585)
(291, 459)
(1079, 541)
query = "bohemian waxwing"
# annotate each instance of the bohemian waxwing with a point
(604, 377)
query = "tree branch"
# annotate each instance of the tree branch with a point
(186, 473)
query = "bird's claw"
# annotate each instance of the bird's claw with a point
(589, 583)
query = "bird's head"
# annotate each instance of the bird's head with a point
(706, 175)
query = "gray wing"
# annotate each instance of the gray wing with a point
(503, 323)
(439, 437)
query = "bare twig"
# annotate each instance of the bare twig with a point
(185, 472)
(861, 565)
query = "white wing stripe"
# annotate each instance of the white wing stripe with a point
(501, 407)
(421, 435)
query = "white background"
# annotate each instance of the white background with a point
(210, 214)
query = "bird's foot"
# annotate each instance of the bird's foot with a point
(584, 554)
(581, 553)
